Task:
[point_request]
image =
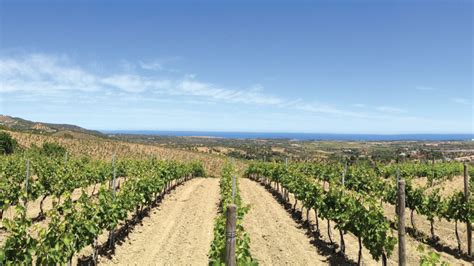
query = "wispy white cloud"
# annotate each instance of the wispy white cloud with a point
(391, 110)
(154, 65)
(462, 101)
(359, 105)
(135, 83)
(208, 90)
(291, 103)
(424, 88)
(43, 73)
(159, 64)
(47, 76)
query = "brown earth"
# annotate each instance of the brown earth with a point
(280, 235)
(178, 232)
(447, 187)
(275, 238)
(443, 229)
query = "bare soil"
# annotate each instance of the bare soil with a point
(271, 250)
(178, 232)
(275, 238)
(447, 187)
(444, 229)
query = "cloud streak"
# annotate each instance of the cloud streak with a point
(390, 109)
(462, 101)
(424, 88)
(48, 76)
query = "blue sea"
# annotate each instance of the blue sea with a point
(299, 136)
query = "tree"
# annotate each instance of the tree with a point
(53, 149)
(7, 143)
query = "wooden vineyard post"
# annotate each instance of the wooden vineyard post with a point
(285, 189)
(401, 223)
(230, 225)
(398, 189)
(468, 224)
(95, 252)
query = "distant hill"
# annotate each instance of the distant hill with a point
(20, 124)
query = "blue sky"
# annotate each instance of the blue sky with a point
(277, 66)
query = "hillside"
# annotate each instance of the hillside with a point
(104, 148)
(20, 124)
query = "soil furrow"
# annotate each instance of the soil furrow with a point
(274, 235)
(178, 232)
(267, 250)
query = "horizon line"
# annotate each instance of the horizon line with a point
(120, 131)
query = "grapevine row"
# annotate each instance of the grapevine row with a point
(365, 181)
(359, 215)
(435, 172)
(74, 225)
(242, 252)
(48, 177)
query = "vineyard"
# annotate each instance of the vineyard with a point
(70, 225)
(69, 206)
(357, 201)
(105, 149)
(217, 253)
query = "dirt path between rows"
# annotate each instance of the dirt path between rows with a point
(178, 232)
(413, 256)
(275, 238)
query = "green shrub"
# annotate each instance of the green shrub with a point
(53, 149)
(68, 136)
(430, 258)
(7, 143)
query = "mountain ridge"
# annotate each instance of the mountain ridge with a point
(20, 124)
